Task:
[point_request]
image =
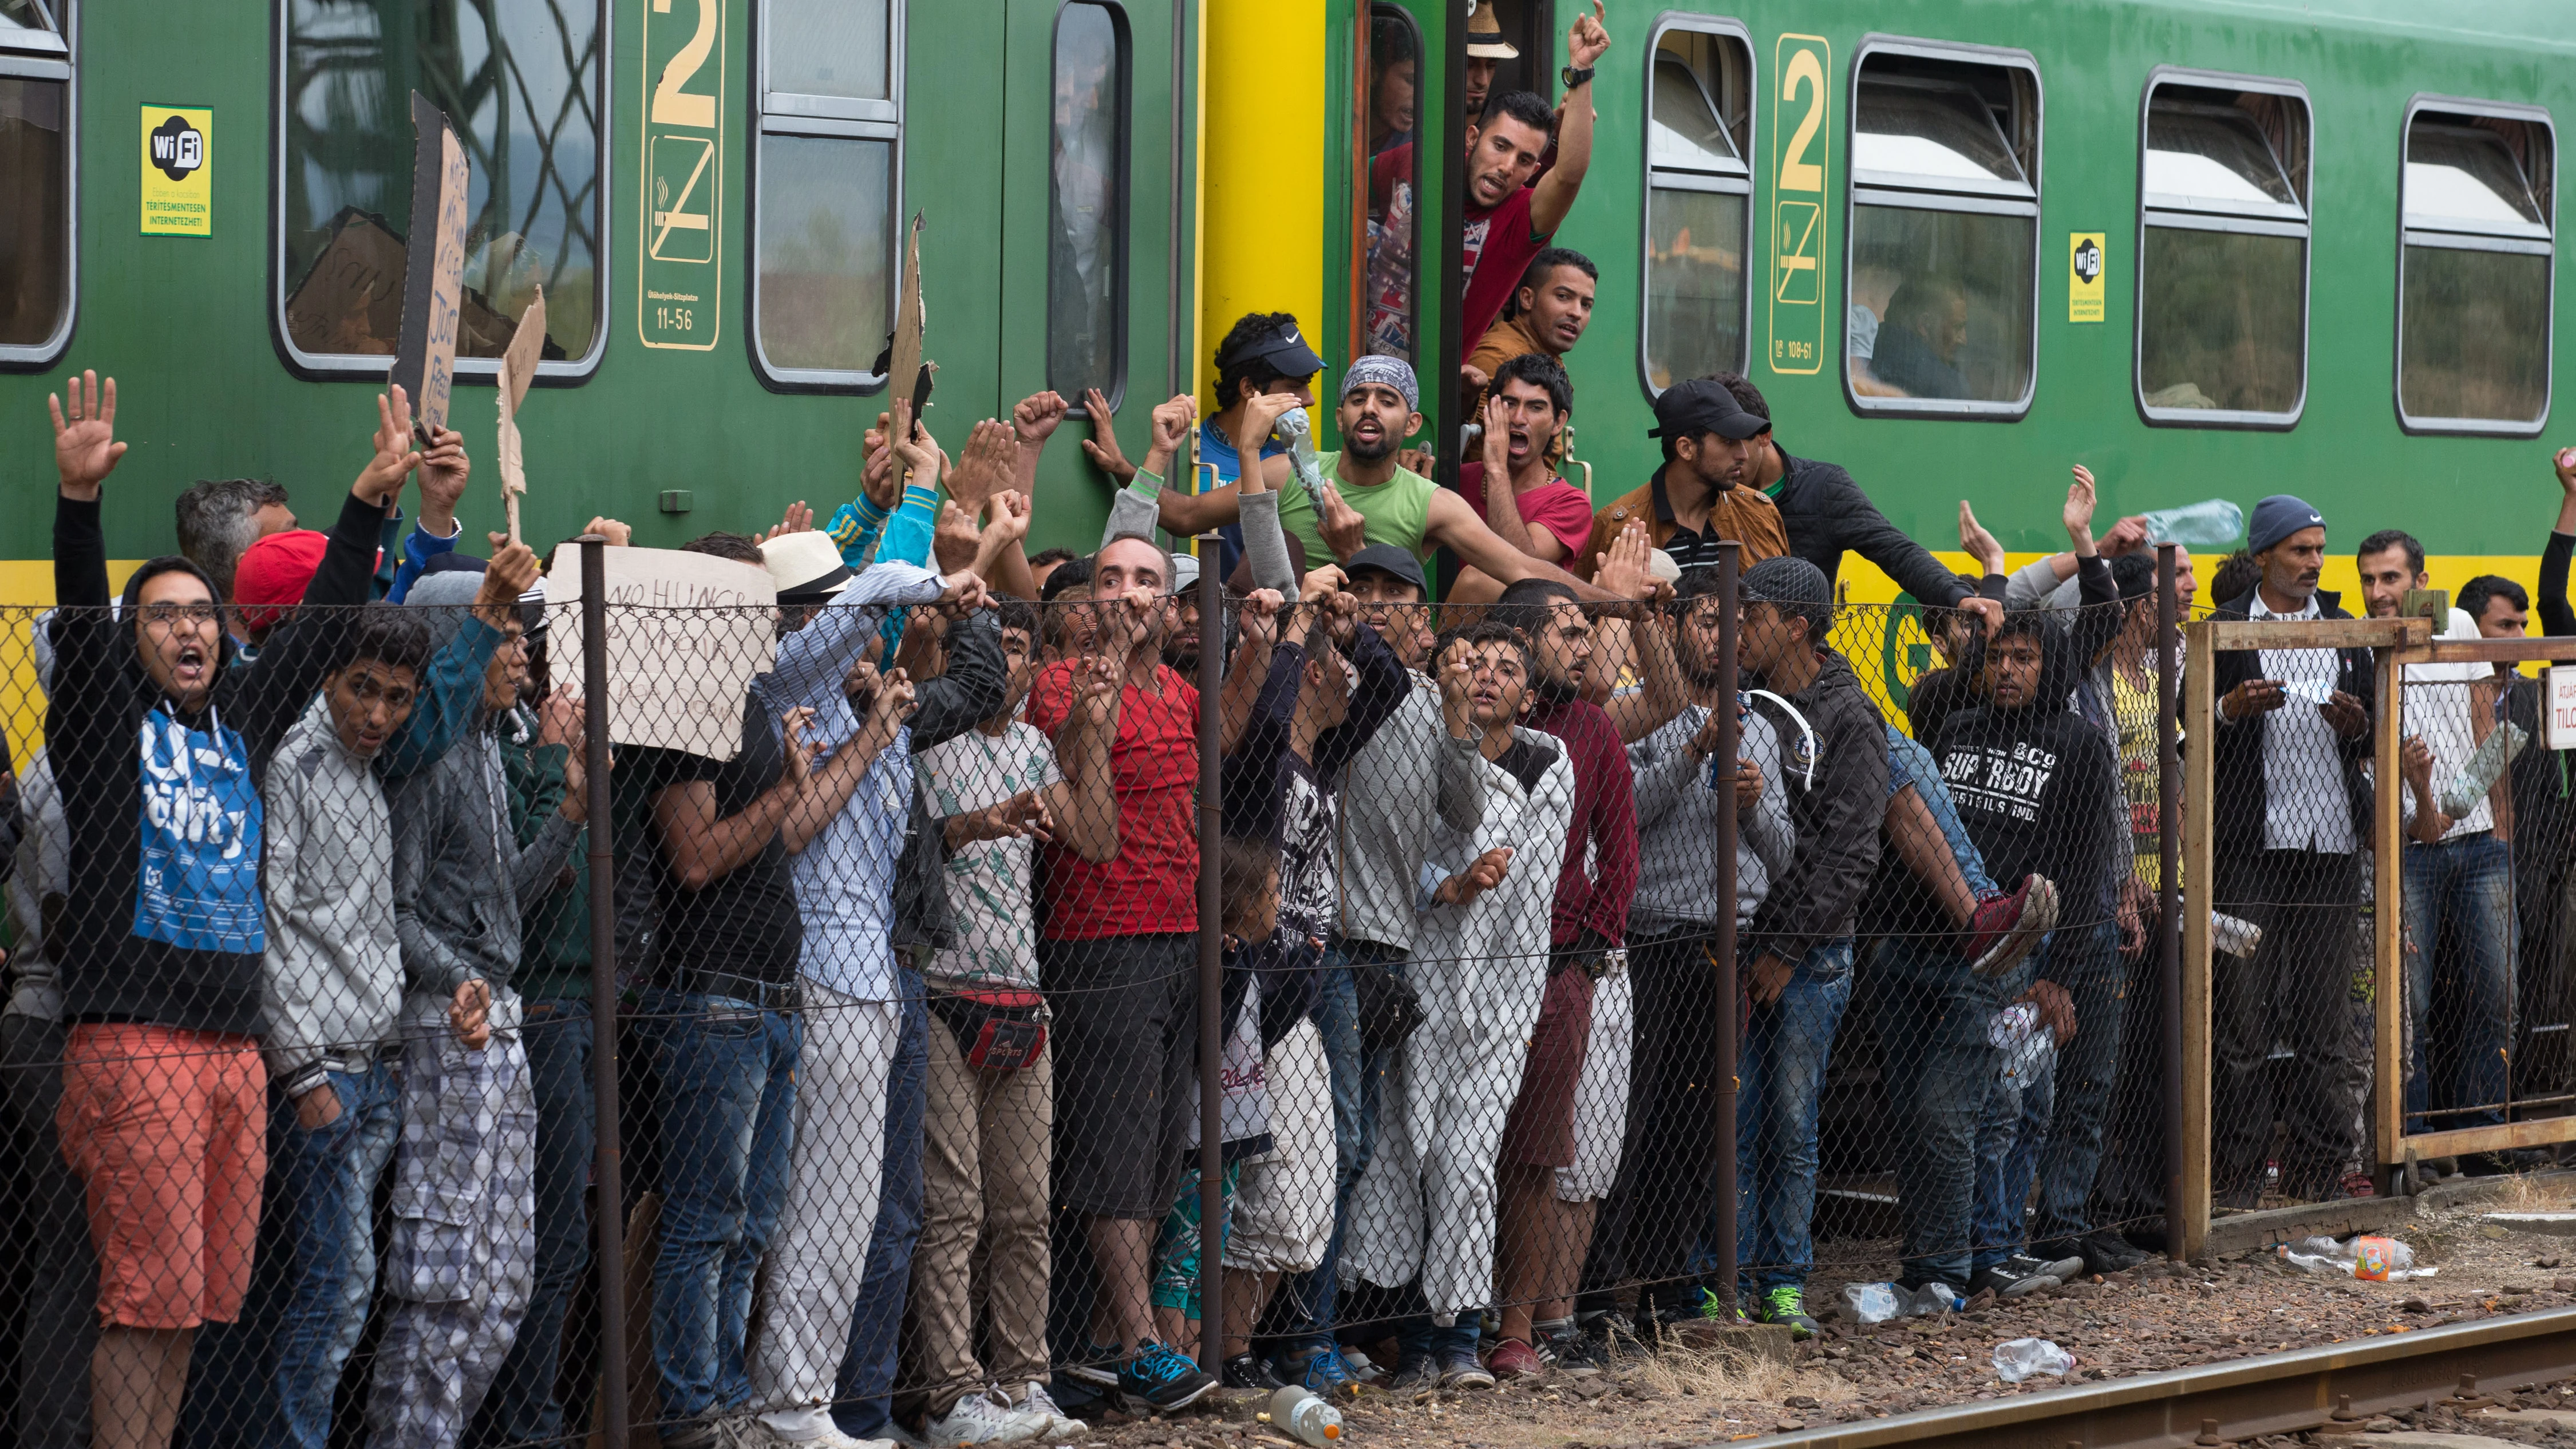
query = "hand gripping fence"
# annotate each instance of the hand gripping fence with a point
(467, 1021)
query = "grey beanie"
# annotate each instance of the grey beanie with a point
(1797, 588)
(2277, 517)
(446, 595)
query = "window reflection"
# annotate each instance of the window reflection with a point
(1388, 185)
(1940, 304)
(826, 251)
(828, 48)
(2224, 325)
(519, 80)
(1087, 244)
(1698, 190)
(35, 172)
(2474, 300)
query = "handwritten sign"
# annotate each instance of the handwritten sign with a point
(2560, 682)
(518, 369)
(686, 634)
(433, 267)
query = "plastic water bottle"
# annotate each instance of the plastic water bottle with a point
(1293, 429)
(2027, 1357)
(1296, 1412)
(1933, 1297)
(2213, 523)
(1872, 1302)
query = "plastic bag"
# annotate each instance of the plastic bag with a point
(2378, 1260)
(1873, 1302)
(2027, 1357)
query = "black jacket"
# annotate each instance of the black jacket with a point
(1825, 514)
(101, 699)
(2237, 764)
(1837, 820)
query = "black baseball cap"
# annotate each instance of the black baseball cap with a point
(1281, 347)
(1387, 558)
(1688, 409)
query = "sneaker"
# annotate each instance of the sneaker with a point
(1096, 1364)
(2064, 1267)
(1243, 1371)
(1460, 1370)
(1788, 1305)
(697, 1434)
(1038, 1403)
(1326, 1371)
(984, 1417)
(2106, 1252)
(2014, 1276)
(2357, 1184)
(1575, 1352)
(1413, 1376)
(1361, 1368)
(1513, 1359)
(2006, 927)
(1162, 1380)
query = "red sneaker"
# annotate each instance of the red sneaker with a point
(2006, 928)
(1513, 1359)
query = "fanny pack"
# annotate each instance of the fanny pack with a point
(1389, 1008)
(997, 1031)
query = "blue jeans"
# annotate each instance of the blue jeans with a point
(2011, 1133)
(1930, 1012)
(521, 1406)
(862, 1395)
(327, 1178)
(1314, 1297)
(1908, 763)
(2086, 961)
(726, 1074)
(1782, 1071)
(2459, 893)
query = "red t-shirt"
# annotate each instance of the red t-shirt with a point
(1555, 505)
(1151, 887)
(1495, 252)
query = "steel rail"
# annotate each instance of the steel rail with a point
(2237, 1400)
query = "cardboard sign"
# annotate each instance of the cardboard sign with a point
(2558, 681)
(433, 267)
(518, 369)
(686, 633)
(178, 171)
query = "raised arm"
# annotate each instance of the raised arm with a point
(703, 848)
(969, 691)
(2550, 600)
(1250, 668)
(1454, 523)
(886, 701)
(1554, 195)
(1458, 779)
(1083, 804)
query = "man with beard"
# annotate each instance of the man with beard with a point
(1547, 316)
(1359, 496)
(1508, 218)
(1697, 500)
(1665, 1188)
(1540, 513)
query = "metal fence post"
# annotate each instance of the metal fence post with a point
(1211, 972)
(609, 1201)
(2169, 872)
(1729, 747)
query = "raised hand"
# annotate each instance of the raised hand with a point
(1260, 415)
(1096, 681)
(511, 573)
(617, 534)
(799, 762)
(985, 466)
(443, 472)
(1417, 460)
(893, 702)
(1319, 582)
(1625, 569)
(880, 477)
(1344, 528)
(1123, 618)
(1587, 40)
(1457, 707)
(85, 445)
(381, 481)
(914, 447)
(2564, 461)
(560, 719)
(797, 519)
(954, 539)
(962, 591)
(1978, 544)
(1173, 421)
(2077, 515)
(2126, 536)
(1498, 437)
(1258, 615)
(1034, 418)
(1102, 446)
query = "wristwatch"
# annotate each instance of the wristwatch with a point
(1573, 77)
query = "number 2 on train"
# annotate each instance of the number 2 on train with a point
(1801, 108)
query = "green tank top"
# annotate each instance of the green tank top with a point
(1397, 511)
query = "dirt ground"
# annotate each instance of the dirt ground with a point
(2154, 1318)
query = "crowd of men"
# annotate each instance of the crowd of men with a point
(301, 923)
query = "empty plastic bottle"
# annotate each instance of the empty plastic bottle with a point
(1873, 1302)
(2026, 1357)
(1933, 1297)
(2212, 523)
(1297, 1413)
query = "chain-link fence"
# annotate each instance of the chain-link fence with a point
(486, 1021)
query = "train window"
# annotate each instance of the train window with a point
(1087, 243)
(1699, 119)
(2474, 290)
(1944, 236)
(826, 176)
(2223, 251)
(1387, 183)
(37, 119)
(521, 81)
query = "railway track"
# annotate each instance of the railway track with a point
(2226, 1402)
